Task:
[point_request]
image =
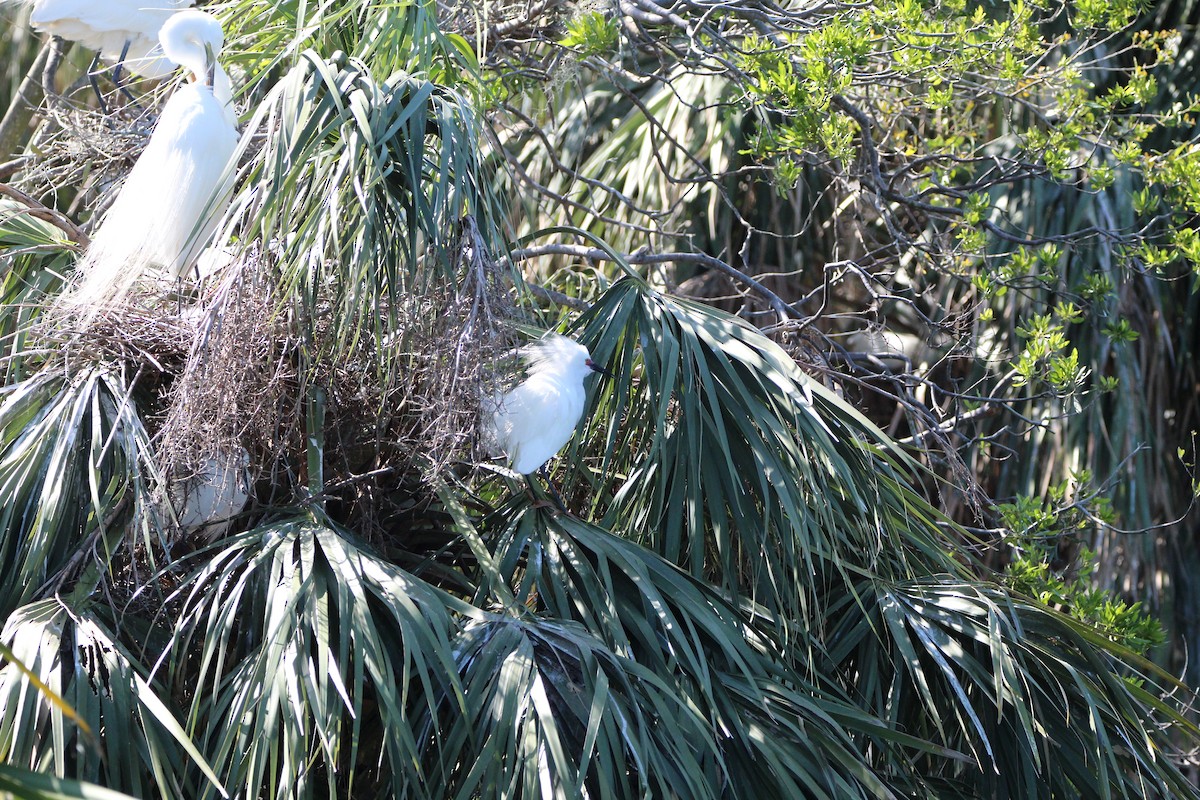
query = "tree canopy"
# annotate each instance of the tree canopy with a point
(886, 497)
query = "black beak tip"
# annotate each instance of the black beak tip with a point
(597, 368)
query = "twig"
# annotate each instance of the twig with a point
(556, 297)
(579, 251)
(44, 212)
(502, 29)
(27, 98)
(10, 168)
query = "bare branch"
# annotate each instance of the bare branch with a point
(595, 254)
(47, 214)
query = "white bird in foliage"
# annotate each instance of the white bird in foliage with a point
(208, 501)
(533, 421)
(124, 32)
(175, 194)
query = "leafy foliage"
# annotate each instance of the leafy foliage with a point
(751, 590)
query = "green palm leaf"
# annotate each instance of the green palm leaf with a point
(138, 743)
(725, 458)
(1023, 687)
(357, 209)
(69, 453)
(315, 646)
(35, 786)
(752, 726)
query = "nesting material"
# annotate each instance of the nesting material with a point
(225, 398)
(461, 359)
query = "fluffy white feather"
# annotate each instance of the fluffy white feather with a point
(106, 25)
(533, 421)
(208, 500)
(174, 196)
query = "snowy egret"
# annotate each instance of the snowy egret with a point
(121, 31)
(208, 500)
(533, 421)
(175, 193)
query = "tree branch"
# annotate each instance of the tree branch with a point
(777, 304)
(47, 214)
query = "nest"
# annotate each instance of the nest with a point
(235, 378)
(234, 365)
(407, 408)
(463, 357)
(238, 368)
(83, 151)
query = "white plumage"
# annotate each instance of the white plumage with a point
(107, 25)
(174, 196)
(208, 500)
(533, 421)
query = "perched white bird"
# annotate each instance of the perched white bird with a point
(208, 501)
(124, 32)
(533, 421)
(175, 194)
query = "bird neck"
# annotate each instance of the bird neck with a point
(193, 59)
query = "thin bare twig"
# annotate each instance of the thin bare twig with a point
(579, 251)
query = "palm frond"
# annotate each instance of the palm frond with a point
(1047, 705)
(73, 652)
(36, 255)
(315, 646)
(753, 726)
(30, 785)
(721, 455)
(358, 193)
(69, 453)
(392, 37)
(553, 712)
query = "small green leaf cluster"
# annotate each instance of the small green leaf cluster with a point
(1105, 14)
(800, 101)
(1038, 525)
(591, 34)
(1044, 358)
(1021, 268)
(1127, 624)
(1120, 332)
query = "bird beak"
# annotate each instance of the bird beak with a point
(594, 367)
(211, 61)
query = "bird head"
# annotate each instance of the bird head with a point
(559, 355)
(192, 39)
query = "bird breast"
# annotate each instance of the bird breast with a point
(536, 419)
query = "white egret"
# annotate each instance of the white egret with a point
(208, 501)
(124, 32)
(533, 421)
(173, 198)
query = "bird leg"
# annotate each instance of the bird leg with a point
(116, 77)
(544, 474)
(91, 73)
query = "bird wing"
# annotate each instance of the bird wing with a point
(169, 205)
(106, 27)
(86, 18)
(535, 420)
